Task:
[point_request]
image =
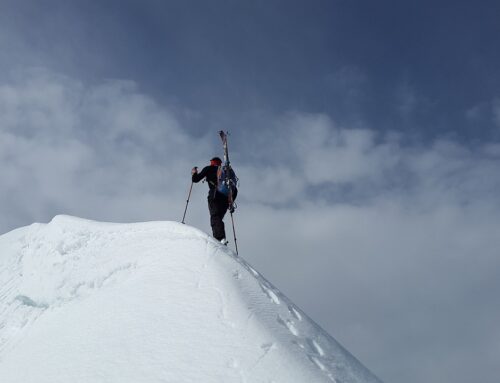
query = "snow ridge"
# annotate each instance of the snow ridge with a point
(83, 301)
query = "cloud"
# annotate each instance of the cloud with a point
(407, 99)
(487, 112)
(103, 151)
(349, 81)
(392, 248)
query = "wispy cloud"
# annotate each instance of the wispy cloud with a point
(97, 151)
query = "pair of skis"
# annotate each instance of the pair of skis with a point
(227, 171)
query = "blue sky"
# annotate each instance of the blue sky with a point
(366, 136)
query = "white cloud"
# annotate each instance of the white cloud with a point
(105, 151)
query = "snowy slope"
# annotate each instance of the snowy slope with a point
(83, 301)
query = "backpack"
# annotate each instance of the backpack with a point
(226, 172)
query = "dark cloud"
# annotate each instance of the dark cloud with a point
(229, 58)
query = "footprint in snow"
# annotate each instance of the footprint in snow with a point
(289, 325)
(315, 347)
(299, 344)
(270, 293)
(27, 301)
(267, 347)
(253, 271)
(316, 361)
(295, 313)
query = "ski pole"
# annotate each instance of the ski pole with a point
(187, 202)
(234, 234)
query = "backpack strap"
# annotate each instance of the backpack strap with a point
(219, 174)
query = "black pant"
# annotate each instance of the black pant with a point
(217, 205)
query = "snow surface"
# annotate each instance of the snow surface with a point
(83, 301)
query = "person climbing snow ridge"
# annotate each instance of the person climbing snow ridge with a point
(217, 197)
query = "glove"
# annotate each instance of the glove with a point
(194, 170)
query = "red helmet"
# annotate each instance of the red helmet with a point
(216, 161)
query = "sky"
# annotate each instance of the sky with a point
(366, 136)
